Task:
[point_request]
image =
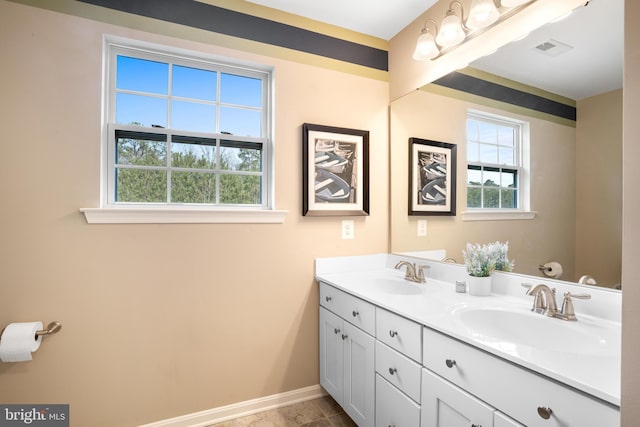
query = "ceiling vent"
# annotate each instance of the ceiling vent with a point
(553, 48)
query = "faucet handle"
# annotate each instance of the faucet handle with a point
(420, 273)
(568, 312)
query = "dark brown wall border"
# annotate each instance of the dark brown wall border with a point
(497, 92)
(232, 23)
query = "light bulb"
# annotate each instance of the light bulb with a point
(425, 47)
(482, 14)
(451, 32)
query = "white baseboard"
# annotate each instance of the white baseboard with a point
(241, 409)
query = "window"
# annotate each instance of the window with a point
(497, 162)
(186, 131)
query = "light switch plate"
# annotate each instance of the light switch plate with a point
(422, 228)
(348, 232)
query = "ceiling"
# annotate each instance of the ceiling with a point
(593, 65)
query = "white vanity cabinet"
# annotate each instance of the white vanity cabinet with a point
(460, 371)
(347, 353)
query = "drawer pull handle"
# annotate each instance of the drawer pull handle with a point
(392, 371)
(450, 363)
(336, 331)
(476, 425)
(355, 313)
(393, 333)
(327, 299)
(544, 412)
(345, 336)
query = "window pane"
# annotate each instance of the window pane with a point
(240, 156)
(508, 179)
(142, 75)
(507, 156)
(488, 153)
(491, 198)
(506, 136)
(194, 83)
(474, 197)
(474, 176)
(141, 110)
(491, 178)
(237, 121)
(193, 116)
(194, 155)
(509, 199)
(240, 189)
(193, 187)
(472, 129)
(240, 90)
(473, 149)
(141, 185)
(142, 152)
(487, 132)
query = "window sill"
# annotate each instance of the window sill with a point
(181, 216)
(496, 215)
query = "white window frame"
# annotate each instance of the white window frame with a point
(523, 212)
(112, 212)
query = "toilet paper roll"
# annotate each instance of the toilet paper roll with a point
(19, 340)
(552, 270)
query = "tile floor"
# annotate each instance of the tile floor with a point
(321, 412)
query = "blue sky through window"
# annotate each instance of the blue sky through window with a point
(197, 89)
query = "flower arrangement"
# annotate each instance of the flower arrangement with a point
(482, 260)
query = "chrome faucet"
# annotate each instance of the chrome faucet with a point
(414, 273)
(544, 302)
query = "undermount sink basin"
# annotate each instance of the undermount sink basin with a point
(518, 330)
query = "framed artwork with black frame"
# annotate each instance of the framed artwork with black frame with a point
(432, 177)
(335, 171)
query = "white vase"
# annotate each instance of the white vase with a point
(479, 286)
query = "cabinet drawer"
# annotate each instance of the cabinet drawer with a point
(399, 333)
(399, 370)
(394, 408)
(512, 389)
(354, 310)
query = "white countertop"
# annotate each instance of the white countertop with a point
(434, 303)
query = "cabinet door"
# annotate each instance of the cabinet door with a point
(359, 376)
(394, 408)
(331, 350)
(445, 405)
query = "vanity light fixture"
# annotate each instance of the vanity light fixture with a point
(426, 47)
(455, 30)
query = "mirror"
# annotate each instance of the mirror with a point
(575, 166)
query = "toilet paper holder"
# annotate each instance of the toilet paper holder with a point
(52, 328)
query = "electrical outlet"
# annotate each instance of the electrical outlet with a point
(422, 228)
(348, 232)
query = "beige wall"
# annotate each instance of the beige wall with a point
(630, 223)
(550, 236)
(598, 187)
(158, 320)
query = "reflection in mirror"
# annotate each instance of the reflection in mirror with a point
(557, 83)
